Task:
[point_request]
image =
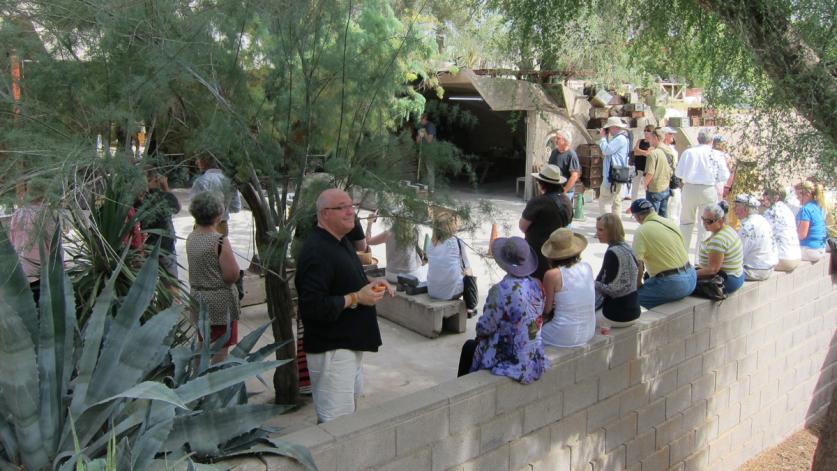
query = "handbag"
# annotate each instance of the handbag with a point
(674, 182)
(711, 288)
(619, 174)
(470, 293)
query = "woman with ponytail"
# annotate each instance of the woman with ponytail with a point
(810, 221)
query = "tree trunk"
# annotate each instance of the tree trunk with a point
(279, 302)
(825, 458)
(799, 75)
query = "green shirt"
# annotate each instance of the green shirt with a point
(659, 245)
(726, 242)
(657, 166)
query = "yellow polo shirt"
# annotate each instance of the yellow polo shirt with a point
(659, 245)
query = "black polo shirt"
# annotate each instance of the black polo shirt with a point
(327, 270)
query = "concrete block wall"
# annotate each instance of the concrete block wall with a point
(695, 385)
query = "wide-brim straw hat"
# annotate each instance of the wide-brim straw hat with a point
(515, 256)
(550, 174)
(563, 243)
(615, 121)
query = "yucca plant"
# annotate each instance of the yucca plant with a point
(80, 396)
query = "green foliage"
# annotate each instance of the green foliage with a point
(67, 400)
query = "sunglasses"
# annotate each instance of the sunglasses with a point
(708, 221)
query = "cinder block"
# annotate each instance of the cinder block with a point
(473, 410)
(592, 363)
(612, 461)
(706, 432)
(580, 396)
(635, 372)
(625, 348)
(729, 417)
(422, 314)
(678, 400)
(758, 380)
(417, 461)
(694, 416)
(735, 350)
(529, 448)
(559, 376)
(669, 430)
(658, 461)
(738, 390)
(652, 339)
(664, 384)
(640, 448)
(719, 447)
(587, 449)
(543, 412)
(496, 459)
(621, 431)
(703, 387)
(633, 399)
(680, 327)
(697, 461)
(717, 402)
(750, 405)
(569, 429)
(511, 395)
(681, 447)
(455, 449)
(602, 413)
(422, 430)
(369, 449)
(558, 459)
(727, 375)
(713, 359)
(697, 344)
(652, 415)
(741, 432)
(501, 430)
(614, 381)
(689, 370)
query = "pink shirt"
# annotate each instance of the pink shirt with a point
(29, 226)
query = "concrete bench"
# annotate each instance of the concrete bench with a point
(422, 314)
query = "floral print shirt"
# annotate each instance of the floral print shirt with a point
(509, 331)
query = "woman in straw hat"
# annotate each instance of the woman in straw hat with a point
(569, 293)
(546, 212)
(509, 331)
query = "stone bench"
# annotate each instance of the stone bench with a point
(422, 314)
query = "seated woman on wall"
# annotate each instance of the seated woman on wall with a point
(783, 224)
(401, 241)
(569, 293)
(509, 331)
(722, 253)
(617, 303)
(760, 255)
(447, 261)
(810, 220)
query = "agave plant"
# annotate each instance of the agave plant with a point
(85, 397)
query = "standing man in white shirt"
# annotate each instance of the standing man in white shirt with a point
(701, 168)
(615, 147)
(212, 179)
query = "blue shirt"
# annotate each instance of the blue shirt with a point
(615, 153)
(815, 216)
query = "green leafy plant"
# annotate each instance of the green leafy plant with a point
(116, 391)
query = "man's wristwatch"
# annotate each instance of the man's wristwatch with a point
(353, 300)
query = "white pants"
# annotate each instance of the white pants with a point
(612, 198)
(695, 197)
(787, 265)
(675, 204)
(756, 274)
(812, 255)
(336, 380)
(638, 185)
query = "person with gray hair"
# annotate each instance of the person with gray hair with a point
(701, 169)
(760, 254)
(213, 270)
(722, 253)
(212, 179)
(566, 159)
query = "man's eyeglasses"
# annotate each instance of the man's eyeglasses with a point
(343, 208)
(708, 221)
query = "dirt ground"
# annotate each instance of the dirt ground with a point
(794, 454)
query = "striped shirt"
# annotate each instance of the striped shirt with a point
(726, 242)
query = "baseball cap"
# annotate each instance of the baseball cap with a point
(641, 205)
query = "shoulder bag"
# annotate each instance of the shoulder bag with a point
(470, 292)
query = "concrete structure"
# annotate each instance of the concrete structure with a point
(694, 385)
(424, 315)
